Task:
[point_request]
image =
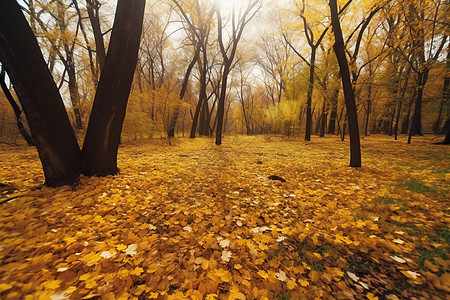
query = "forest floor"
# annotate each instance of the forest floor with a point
(194, 220)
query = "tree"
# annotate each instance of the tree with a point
(50, 127)
(229, 52)
(17, 111)
(420, 39)
(99, 153)
(339, 49)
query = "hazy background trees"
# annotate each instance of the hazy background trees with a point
(201, 71)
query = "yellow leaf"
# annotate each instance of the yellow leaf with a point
(153, 295)
(263, 274)
(224, 275)
(121, 247)
(291, 284)
(314, 275)
(85, 276)
(303, 282)
(137, 271)
(5, 287)
(237, 266)
(51, 284)
(371, 296)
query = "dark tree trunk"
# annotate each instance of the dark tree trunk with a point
(333, 114)
(323, 123)
(391, 122)
(17, 111)
(405, 124)
(309, 95)
(173, 121)
(39, 96)
(339, 48)
(93, 8)
(368, 110)
(221, 104)
(416, 126)
(446, 141)
(99, 154)
(74, 94)
(437, 124)
(397, 118)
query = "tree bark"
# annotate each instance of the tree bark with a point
(93, 7)
(43, 106)
(416, 126)
(17, 112)
(99, 154)
(309, 95)
(339, 49)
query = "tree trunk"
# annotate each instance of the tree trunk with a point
(92, 8)
(221, 104)
(43, 106)
(416, 126)
(339, 49)
(99, 154)
(309, 95)
(17, 112)
(173, 121)
(333, 114)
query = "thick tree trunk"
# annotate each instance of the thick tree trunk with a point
(339, 49)
(39, 96)
(99, 154)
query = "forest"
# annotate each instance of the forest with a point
(224, 149)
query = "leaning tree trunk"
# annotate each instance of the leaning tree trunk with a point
(17, 112)
(176, 112)
(43, 106)
(99, 154)
(339, 49)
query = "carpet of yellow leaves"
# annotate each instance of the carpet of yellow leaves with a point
(197, 221)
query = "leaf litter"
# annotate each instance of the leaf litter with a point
(197, 221)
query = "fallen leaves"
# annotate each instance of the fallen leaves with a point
(210, 225)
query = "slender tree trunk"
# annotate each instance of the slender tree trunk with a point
(17, 112)
(391, 121)
(74, 95)
(93, 8)
(99, 154)
(333, 114)
(309, 95)
(339, 49)
(323, 123)
(406, 121)
(202, 95)
(221, 104)
(416, 126)
(43, 106)
(173, 121)
(368, 109)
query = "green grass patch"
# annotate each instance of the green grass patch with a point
(273, 253)
(417, 186)
(431, 255)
